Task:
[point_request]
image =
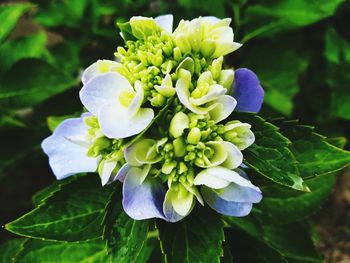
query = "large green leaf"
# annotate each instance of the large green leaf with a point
(49, 251)
(9, 15)
(314, 154)
(32, 81)
(197, 238)
(74, 213)
(282, 206)
(32, 46)
(270, 155)
(265, 19)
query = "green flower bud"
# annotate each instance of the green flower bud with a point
(208, 48)
(168, 167)
(177, 53)
(216, 67)
(226, 78)
(179, 147)
(194, 136)
(187, 64)
(178, 124)
(182, 168)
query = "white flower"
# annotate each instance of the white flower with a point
(116, 104)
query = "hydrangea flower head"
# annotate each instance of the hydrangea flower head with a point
(157, 121)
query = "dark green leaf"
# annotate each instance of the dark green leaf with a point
(197, 238)
(282, 206)
(270, 155)
(30, 82)
(9, 15)
(291, 241)
(74, 213)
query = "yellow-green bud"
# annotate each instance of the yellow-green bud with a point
(194, 136)
(179, 147)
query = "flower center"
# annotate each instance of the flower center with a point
(126, 97)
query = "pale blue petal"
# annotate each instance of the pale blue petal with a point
(66, 149)
(142, 199)
(238, 209)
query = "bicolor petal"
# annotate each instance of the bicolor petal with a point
(142, 197)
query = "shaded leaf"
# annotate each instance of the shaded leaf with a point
(32, 81)
(196, 238)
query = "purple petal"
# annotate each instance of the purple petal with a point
(66, 149)
(247, 91)
(142, 199)
(237, 193)
(224, 207)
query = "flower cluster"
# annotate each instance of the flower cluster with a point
(156, 120)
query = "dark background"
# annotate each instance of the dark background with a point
(299, 49)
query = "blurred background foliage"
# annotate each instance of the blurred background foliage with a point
(300, 49)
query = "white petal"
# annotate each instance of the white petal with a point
(222, 108)
(98, 68)
(115, 122)
(234, 156)
(103, 89)
(214, 92)
(223, 48)
(220, 177)
(67, 158)
(108, 167)
(223, 33)
(165, 22)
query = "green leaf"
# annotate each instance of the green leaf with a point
(32, 81)
(9, 16)
(197, 238)
(290, 241)
(270, 155)
(314, 155)
(286, 15)
(74, 213)
(245, 248)
(282, 206)
(9, 249)
(147, 250)
(32, 46)
(125, 237)
(50, 251)
(286, 60)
